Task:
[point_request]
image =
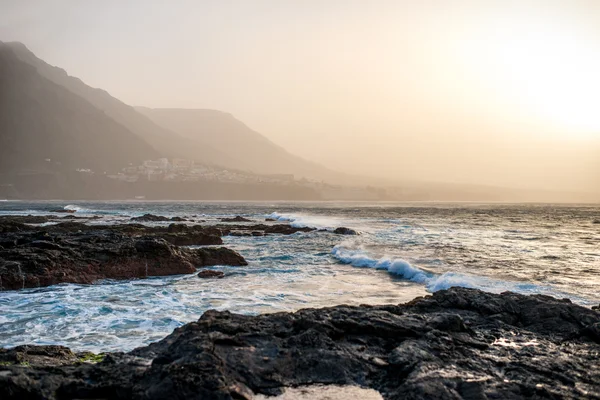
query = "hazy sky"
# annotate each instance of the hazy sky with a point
(497, 92)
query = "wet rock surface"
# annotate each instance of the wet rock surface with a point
(43, 250)
(235, 219)
(208, 273)
(278, 229)
(43, 259)
(456, 344)
(156, 218)
(345, 231)
(74, 252)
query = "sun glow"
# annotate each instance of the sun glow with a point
(547, 70)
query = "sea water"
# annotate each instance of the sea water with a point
(403, 251)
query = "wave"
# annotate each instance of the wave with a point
(308, 221)
(72, 207)
(83, 210)
(434, 282)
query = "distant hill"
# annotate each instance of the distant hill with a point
(245, 148)
(41, 121)
(166, 142)
(208, 136)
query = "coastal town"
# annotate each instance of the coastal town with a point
(183, 170)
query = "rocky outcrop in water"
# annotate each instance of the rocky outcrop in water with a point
(345, 231)
(43, 258)
(209, 273)
(235, 219)
(156, 218)
(208, 256)
(279, 229)
(457, 344)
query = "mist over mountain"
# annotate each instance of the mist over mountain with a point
(43, 124)
(166, 142)
(207, 136)
(53, 122)
(245, 148)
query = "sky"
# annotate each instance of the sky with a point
(492, 92)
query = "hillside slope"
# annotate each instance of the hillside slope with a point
(41, 120)
(244, 147)
(166, 142)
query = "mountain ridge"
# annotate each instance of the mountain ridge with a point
(168, 143)
(252, 150)
(41, 120)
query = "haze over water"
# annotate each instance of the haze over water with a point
(404, 250)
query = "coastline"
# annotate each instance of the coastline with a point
(456, 343)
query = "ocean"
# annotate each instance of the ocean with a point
(404, 250)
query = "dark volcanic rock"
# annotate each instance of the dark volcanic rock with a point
(150, 218)
(596, 221)
(25, 219)
(63, 210)
(177, 234)
(235, 219)
(270, 219)
(456, 344)
(345, 231)
(70, 254)
(208, 256)
(239, 234)
(191, 239)
(209, 273)
(84, 258)
(279, 229)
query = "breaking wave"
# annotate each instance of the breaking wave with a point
(82, 210)
(72, 207)
(433, 281)
(308, 221)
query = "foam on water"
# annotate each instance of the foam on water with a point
(426, 248)
(308, 221)
(434, 282)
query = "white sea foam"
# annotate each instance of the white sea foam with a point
(434, 282)
(73, 207)
(310, 221)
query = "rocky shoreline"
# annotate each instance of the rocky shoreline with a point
(44, 250)
(456, 344)
(69, 250)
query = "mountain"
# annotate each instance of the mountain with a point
(245, 148)
(41, 121)
(166, 142)
(208, 136)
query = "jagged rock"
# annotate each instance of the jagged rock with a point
(42, 258)
(239, 234)
(209, 256)
(596, 221)
(457, 344)
(235, 219)
(150, 218)
(191, 239)
(26, 219)
(279, 229)
(345, 231)
(270, 219)
(63, 210)
(209, 273)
